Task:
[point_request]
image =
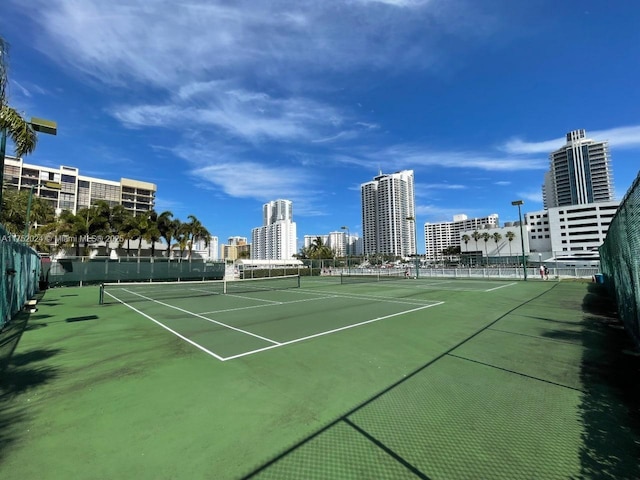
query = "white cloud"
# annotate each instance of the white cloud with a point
(249, 115)
(618, 137)
(254, 180)
(159, 42)
(535, 196)
(413, 156)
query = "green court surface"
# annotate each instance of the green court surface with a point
(409, 378)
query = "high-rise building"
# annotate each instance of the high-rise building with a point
(207, 250)
(236, 247)
(277, 210)
(388, 214)
(276, 238)
(439, 236)
(580, 173)
(77, 191)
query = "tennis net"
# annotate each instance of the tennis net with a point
(128, 292)
(371, 277)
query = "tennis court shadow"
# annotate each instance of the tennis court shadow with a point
(49, 303)
(81, 319)
(610, 407)
(10, 417)
(22, 359)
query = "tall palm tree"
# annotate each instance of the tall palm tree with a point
(510, 236)
(465, 239)
(497, 237)
(182, 237)
(11, 122)
(195, 231)
(167, 226)
(476, 236)
(87, 222)
(152, 235)
(486, 237)
(118, 217)
(129, 231)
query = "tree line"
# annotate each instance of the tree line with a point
(99, 220)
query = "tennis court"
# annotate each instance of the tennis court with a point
(319, 378)
(228, 320)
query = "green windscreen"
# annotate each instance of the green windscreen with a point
(368, 277)
(620, 260)
(19, 275)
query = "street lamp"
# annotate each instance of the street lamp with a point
(27, 226)
(524, 258)
(415, 236)
(347, 247)
(38, 125)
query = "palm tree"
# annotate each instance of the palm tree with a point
(486, 237)
(129, 231)
(497, 237)
(465, 239)
(11, 122)
(167, 226)
(318, 250)
(87, 222)
(476, 236)
(195, 231)
(182, 236)
(13, 212)
(510, 236)
(152, 235)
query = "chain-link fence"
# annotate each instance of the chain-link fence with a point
(620, 260)
(19, 275)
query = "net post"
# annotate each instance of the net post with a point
(224, 286)
(298, 280)
(101, 294)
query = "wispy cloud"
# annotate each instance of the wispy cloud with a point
(532, 196)
(619, 137)
(121, 41)
(250, 115)
(413, 156)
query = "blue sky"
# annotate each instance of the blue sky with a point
(227, 105)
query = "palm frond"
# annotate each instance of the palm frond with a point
(19, 130)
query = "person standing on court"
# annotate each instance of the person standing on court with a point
(542, 267)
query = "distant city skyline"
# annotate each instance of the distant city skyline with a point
(229, 105)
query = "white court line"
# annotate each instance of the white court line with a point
(501, 286)
(265, 306)
(167, 328)
(329, 331)
(367, 297)
(251, 298)
(204, 318)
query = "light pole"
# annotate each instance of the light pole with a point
(415, 237)
(38, 125)
(347, 247)
(524, 258)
